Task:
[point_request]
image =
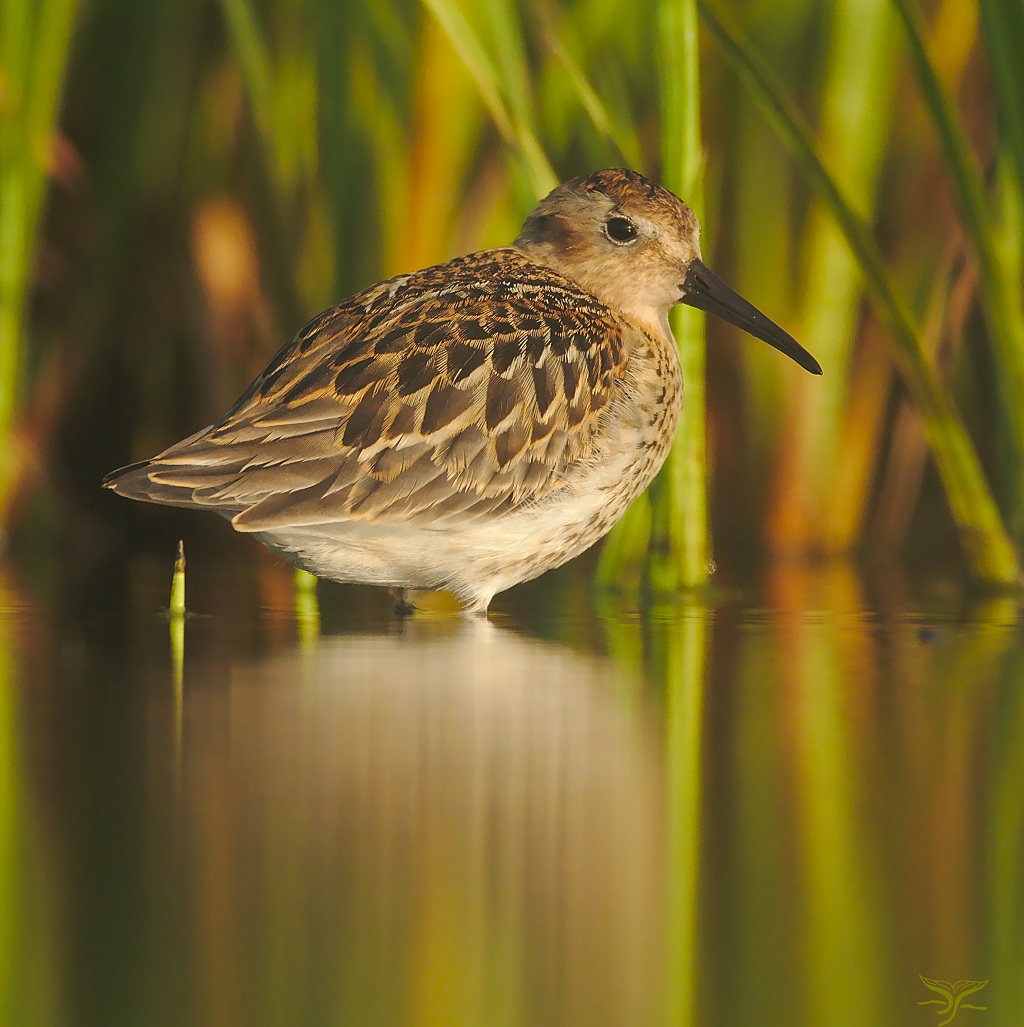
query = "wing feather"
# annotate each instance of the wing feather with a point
(447, 395)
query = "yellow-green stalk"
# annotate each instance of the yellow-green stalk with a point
(987, 548)
(177, 604)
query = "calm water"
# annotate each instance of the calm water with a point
(779, 809)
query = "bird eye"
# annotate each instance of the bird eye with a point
(620, 230)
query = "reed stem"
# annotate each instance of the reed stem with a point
(679, 555)
(990, 556)
(35, 45)
(998, 278)
(177, 603)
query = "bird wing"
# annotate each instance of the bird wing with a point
(457, 392)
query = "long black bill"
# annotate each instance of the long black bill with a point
(703, 289)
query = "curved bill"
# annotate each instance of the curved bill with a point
(703, 289)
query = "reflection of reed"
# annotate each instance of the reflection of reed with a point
(453, 824)
(861, 767)
(27, 949)
(1003, 888)
(441, 824)
(829, 761)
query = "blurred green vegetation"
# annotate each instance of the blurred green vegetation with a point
(216, 173)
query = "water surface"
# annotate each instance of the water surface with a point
(781, 807)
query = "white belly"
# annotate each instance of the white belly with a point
(479, 558)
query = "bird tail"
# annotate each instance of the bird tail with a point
(136, 481)
(159, 480)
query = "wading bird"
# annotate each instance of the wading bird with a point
(472, 425)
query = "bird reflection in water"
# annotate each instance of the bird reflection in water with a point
(452, 823)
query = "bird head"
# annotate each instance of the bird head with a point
(636, 247)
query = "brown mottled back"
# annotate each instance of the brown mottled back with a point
(455, 392)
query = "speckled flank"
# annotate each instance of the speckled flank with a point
(468, 426)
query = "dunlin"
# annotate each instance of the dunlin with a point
(472, 425)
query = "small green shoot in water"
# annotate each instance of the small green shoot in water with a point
(177, 607)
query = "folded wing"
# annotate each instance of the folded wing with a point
(461, 391)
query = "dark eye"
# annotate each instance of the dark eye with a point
(619, 229)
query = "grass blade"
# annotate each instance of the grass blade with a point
(673, 529)
(478, 63)
(622, 137)
(680, 553)
(998, 285)
(473, 56)
(35, 44)
(853, 128)
(989, 553)
(255, 64)
(1003, 27)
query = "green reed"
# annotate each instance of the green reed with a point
(855, 121)
(999, 269)
(666, 535)
(176, 616)
(680, 551)
(35, 44)
(983, 537)
(503, 82)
